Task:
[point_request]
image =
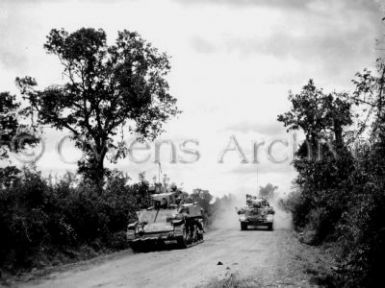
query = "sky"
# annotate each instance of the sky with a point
(233, 63)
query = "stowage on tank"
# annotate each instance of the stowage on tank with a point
(257, 212)
(170, 219)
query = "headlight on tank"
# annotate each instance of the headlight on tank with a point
(269, 218)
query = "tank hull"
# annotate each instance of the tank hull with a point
(166, 222)
(184, 233)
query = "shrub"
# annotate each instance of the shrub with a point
(40, 218)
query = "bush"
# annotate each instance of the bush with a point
(341, 195)
(352, 217)
(39, 218)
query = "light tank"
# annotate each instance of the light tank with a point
(257, 212)
(170, 219)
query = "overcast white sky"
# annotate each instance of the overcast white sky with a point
(233, 63)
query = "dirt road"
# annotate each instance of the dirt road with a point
(270, 258)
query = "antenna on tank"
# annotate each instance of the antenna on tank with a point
(257, 182)
(159, 171)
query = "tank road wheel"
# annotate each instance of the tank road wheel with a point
(243, 226)
(182, 240)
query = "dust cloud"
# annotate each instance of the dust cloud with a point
(282, 219)
(225, 213)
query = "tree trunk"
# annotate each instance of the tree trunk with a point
(100, 171)
(338, 135)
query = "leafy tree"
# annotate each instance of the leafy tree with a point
(363, 226)
(323, 160)
(267, 191)
(370, 90)
(317, 114)
(14, 135)
(107, 88)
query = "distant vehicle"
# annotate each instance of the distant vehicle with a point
(169, 220)
(257, 212)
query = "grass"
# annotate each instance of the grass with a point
(233, 281)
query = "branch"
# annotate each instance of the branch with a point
(61, 121)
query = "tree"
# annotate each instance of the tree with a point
(370, 90)
(318, 114)
(14, 136)
(106, 87)
(203, 197)
(322, 118)
(363, 226)
(323, 161)
(267, 191)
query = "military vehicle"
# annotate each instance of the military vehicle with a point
(257, 212)
(170, 219)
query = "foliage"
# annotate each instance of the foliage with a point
(363, 224)
(14, 135)
(267, 191)
(341, 190)
(322, 160)
(108, 87)
(203, 198)
(40, 219)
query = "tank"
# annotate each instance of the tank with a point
(257, 212)
(170, 219)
